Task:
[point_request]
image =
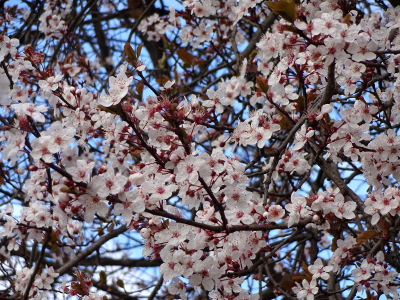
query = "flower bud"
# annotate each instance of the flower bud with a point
(63, 198)
(20, 170)
(145, 233)
(174, 158)
(137, 178)
(33, 168)
(172, 177)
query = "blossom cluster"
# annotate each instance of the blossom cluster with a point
(42, 281)
(118, 88)
(374, 274)
(51, 20)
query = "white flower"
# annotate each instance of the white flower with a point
(82, 171)
(343, 209)
(30, 109)
(297, 209)
(307, 291)
(318, 270)
(50, 84)
(168, 85)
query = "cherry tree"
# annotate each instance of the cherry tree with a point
(199, 149)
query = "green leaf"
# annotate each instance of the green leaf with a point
(120, 283)
(103, 277)
(161, 61)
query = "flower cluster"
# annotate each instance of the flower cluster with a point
(118, 88)
(42, 281)
(374, 274)
(51, 20)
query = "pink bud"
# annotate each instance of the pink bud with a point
(33, 168)
(174, 158)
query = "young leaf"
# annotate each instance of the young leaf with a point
(365, 236)
(186, 57)
(139, 50)
(139, 91)
(132, 58)
(306, 271)
(120, 283)
(103, 277)
(285, 8)
(161, 61)
(262, 85)
(113, 109)
(163, 80)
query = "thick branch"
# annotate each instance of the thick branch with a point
(89, 250)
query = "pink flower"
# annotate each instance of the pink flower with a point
(82, 171)
(307, 291)
(30, 109)
(187, 169)
(275, 213)
(362, 49)
(50, 84)
(318, 270)
(108, 183)
(297, 209)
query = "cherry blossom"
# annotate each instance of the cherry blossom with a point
(306, 290)
(297, 209)
(318, 270)
(30, 109)
(275, 213)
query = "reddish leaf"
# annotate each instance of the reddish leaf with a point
(139, 50)
(305, 269)
(334, 244)
(163, 80)
(383, 225)
(186, 57)
(285, 8)
(365, 236)
(131, 59)
(262, 84)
